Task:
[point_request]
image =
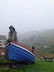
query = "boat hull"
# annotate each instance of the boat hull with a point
(19, 53)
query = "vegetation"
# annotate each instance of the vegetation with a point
(3, 61)
(39, 40)
(47, 52)
(38, 66)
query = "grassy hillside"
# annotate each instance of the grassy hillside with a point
(39, 66)
(39, 40)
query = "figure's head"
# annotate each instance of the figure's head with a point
(12, 28)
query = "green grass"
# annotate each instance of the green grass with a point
(3, 61)
(39, 66)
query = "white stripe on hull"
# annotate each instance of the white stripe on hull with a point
(22, 48)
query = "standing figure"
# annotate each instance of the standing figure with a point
(33, 48)
(12, 35)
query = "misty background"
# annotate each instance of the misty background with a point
(33, 21)
(26, 15)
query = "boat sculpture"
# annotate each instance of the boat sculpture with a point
(17, 52)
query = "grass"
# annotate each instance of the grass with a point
(3, 61)
(38, 66)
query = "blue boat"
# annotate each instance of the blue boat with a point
(17, 52)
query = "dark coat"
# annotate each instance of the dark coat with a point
(13, 37)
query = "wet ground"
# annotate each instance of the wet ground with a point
(4, 66)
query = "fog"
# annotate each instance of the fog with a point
(26, 15)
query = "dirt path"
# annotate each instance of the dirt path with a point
(4, 66)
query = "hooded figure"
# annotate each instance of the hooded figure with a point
(12, 35)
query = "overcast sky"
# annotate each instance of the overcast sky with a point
(26, 15)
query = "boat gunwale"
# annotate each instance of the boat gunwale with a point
(23, 46)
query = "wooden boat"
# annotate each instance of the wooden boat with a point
(17, 52)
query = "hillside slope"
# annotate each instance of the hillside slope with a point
(38, 66)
